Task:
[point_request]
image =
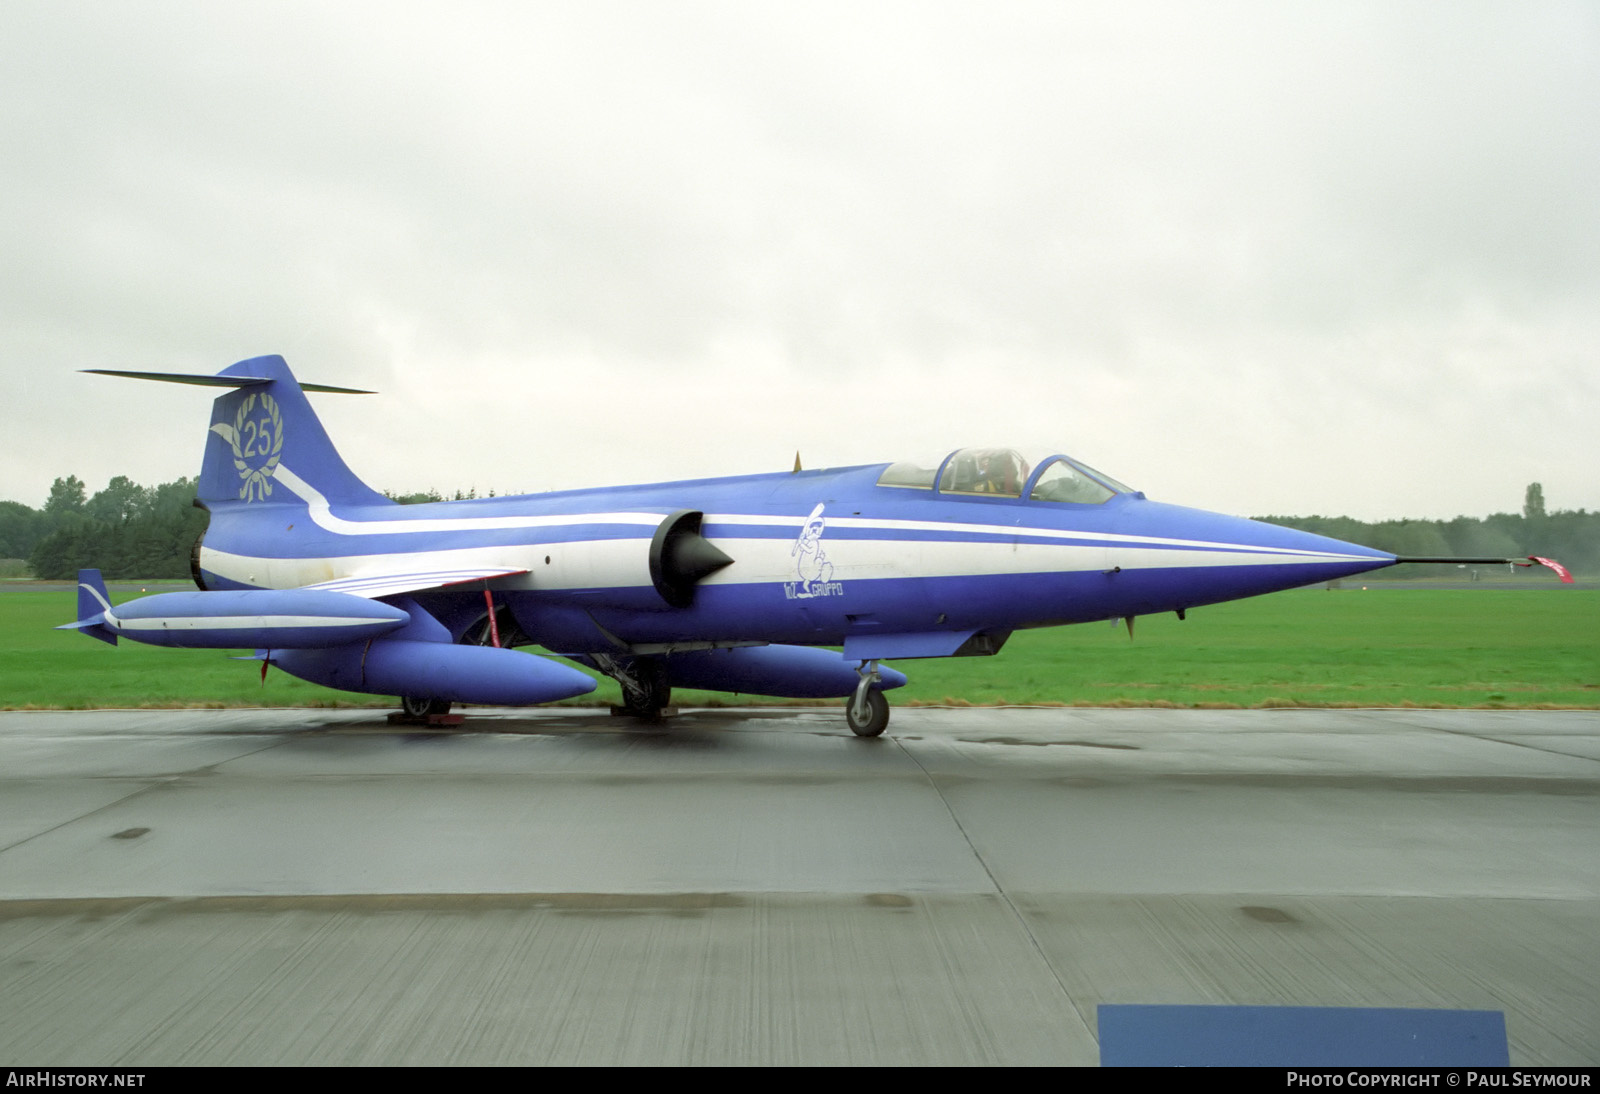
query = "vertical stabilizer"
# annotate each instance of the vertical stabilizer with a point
(267, 447)
(93, 604)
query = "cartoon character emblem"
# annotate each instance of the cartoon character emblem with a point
(257, 439)
(812, 568)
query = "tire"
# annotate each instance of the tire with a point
(654, 693)
(877, 719)
(416, 707)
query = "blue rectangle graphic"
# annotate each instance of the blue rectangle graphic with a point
(1202, 1036)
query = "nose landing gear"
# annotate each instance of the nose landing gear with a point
(867, 711)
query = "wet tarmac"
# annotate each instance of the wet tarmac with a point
(761, 887)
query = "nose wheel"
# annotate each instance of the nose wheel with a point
(867, 717)
(867, 711)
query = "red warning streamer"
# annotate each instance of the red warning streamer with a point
(1561, 571)
(494, 624)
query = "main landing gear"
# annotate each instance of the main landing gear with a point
(867, 711)
(499, 630)
(646, 694)
(417, 711)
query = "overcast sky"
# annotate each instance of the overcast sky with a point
(1261, 258)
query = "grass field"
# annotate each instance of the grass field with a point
(1384, 647)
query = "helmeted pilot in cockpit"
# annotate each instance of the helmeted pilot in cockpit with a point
(988, 471)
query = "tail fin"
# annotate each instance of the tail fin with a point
(93, 603)
(266, 445)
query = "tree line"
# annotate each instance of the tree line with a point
(133, 531)
(125, 530)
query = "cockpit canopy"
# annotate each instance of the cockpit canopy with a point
(1005, 473)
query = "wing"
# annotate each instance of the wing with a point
(372, 586)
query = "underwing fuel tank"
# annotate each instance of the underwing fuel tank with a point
(790, 672)
(252, 618)
(436, 670)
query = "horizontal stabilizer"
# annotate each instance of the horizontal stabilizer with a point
(204, 380)
(94, 627)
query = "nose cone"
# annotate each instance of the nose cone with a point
(1176, 557)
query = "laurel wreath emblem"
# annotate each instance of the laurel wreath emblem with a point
(259, 437)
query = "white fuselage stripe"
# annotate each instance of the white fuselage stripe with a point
(623, 563)
(1009, 532)
(322, 515)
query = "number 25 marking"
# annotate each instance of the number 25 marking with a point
(254, 433)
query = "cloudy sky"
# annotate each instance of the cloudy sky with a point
(1262, 258)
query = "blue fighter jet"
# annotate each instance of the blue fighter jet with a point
(734, 584)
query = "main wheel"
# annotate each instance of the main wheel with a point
(651, 695)
(877, 719)
(417, 707)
